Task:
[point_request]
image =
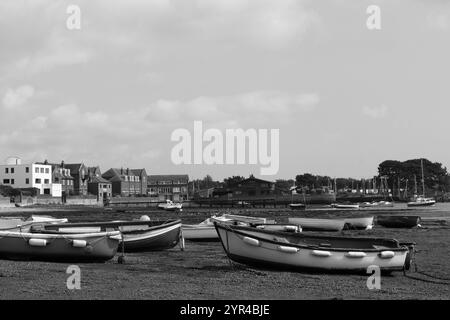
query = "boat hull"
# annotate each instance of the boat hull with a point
(165, 236)
(199, 233)
(96, 247)
(311, 224)
(255, 249)
(398, 221)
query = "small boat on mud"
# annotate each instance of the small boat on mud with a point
(421, 202)
(398, 221)
(345, 206)
(55, 246)
(20, 224)
(318, 224)
(171, 206)
(377, 204)
(299, 251)
(139, 235)
(255, 222)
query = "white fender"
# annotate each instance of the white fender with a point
(288, 249)
(37, 242)
(321, 253)
(355, 254)
(79, 243)
(251, 241)
(386, 254)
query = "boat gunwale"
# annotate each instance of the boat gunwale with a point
(305, 246)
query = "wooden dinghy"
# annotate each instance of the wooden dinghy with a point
(398, 221)
(255, 222)
(139, 235)
(345, 206)
(301, 251)
(297, 206)
(24, 225)
(318, 224)
(86, 247)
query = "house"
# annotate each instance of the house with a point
(79, 172)
(168, 187)
(36, 176)
(250, 188)
(100, 187)
(127, 182)
(61, 174)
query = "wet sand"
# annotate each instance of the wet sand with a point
(202, 270)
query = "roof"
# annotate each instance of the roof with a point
(74, 167)
(168, 177)
(98, 180)
(115, 174)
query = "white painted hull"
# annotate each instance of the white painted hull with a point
(319, 224)
(255, 248)
(345, 206)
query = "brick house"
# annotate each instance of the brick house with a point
(62, 175)
(127, 182)
(100, 187)
(80, 174)
(168, 187)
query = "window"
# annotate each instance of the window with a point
(5, 181)
(36, 170)
(46, 181)
(42, 170)
(6, 170)
(12, 170)
(37, 181)
(27, 170)
(27, 181)
(12, 181)
(47, 170)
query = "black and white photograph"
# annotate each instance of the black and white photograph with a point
(209, 151)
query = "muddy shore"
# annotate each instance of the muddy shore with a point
(202, 270)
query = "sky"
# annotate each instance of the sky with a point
(111, 93)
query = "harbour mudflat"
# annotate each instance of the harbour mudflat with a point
(202, 270)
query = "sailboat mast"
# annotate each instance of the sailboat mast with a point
(423, 179)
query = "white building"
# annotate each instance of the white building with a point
(39, 176)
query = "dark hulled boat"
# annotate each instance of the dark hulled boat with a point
(398, 221)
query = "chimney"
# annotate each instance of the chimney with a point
(62, 164)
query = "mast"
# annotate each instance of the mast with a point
(423, 179)
(415, 185)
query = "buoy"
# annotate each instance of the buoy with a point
(79, 243)
(321, 253)
(288, 249)
(144, 218)
(251, 241)
(37, 242)
(355, 254)
(386, 254)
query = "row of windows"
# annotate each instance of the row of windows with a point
(27, 170)
(132, 178)
(170, 182)
(168, 190)
(27, 181)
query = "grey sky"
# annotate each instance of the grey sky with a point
(344, 98)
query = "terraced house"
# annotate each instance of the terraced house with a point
(168, 187)
(127, 182)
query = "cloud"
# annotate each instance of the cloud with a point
(375, 112)
(438, 21)
(262, 108)
(14, 98)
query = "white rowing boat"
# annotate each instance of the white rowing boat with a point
(318, 224)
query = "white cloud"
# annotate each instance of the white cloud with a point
(439, 21)
(14, 98)
(375, 112)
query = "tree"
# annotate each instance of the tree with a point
(231, 181)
